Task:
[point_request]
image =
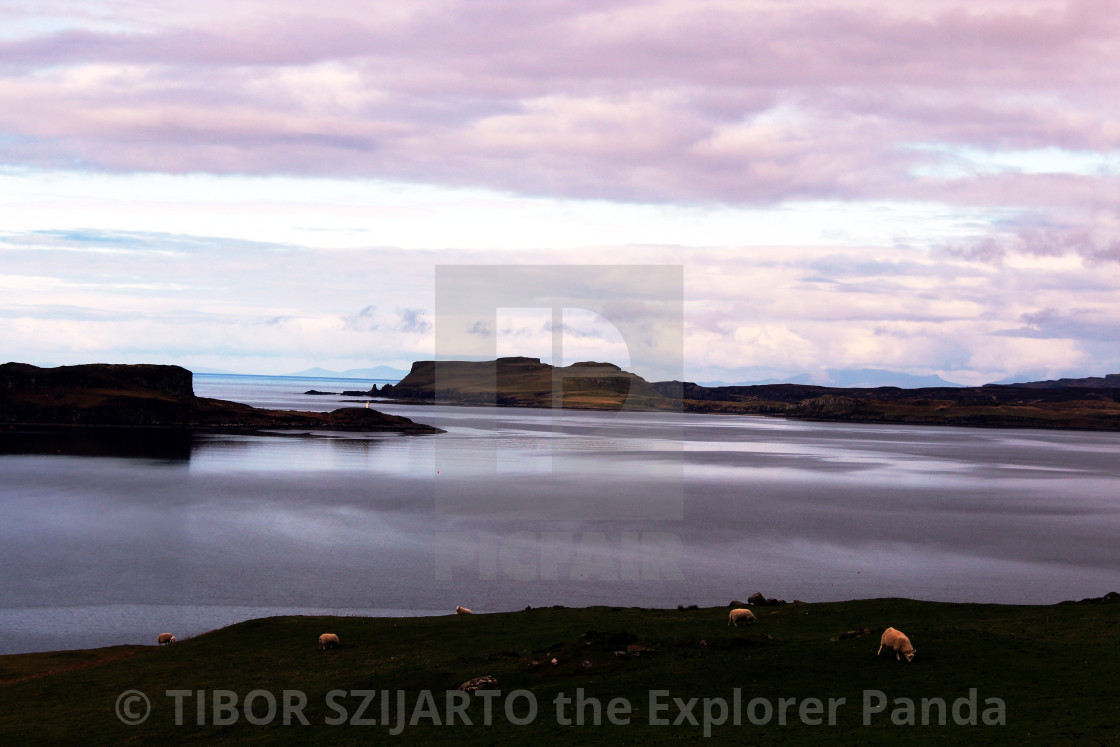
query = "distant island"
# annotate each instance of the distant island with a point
(156, 396)
(1090, 403)
(526, 382)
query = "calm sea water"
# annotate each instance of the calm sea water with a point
(107, 540)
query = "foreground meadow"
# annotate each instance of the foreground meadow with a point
(994, 674)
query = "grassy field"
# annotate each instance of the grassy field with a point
(1050, 674)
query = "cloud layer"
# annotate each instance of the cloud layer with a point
(208, 303)
(744, 102)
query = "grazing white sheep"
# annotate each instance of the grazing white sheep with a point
(896, 641)
(462, 611)
(166, 639)
(328, 640)
(740, 616)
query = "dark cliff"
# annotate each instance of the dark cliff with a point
(174, 382)
(155, 396)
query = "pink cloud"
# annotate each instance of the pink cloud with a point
(751, 102)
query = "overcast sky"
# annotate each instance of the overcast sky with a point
(929, 186)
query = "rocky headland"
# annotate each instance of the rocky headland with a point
(526, 382)
(156, 396)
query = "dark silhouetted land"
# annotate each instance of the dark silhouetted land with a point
(1092, 403)
(155, 396)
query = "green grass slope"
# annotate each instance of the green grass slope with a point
(1056, 670)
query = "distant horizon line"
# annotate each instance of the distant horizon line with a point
(322, 373)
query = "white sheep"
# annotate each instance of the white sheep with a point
(328, 640)
(166, 639)
(740, 615)
(896, 642)
(462, 611)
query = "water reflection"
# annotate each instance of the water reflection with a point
(323, 521)
(134, 443)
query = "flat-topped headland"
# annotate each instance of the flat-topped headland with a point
(115, 395)
(526, 382)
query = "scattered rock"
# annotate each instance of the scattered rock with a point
(759, 600)
(703, 643)
(585, 664)
(485, 682)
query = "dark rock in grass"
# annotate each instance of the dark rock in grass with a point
(485, 682)
(761, 601)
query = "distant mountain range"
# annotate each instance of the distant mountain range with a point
(377, 372)
(850, 378)
(1108, 381)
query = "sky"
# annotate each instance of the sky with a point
(927, 187)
